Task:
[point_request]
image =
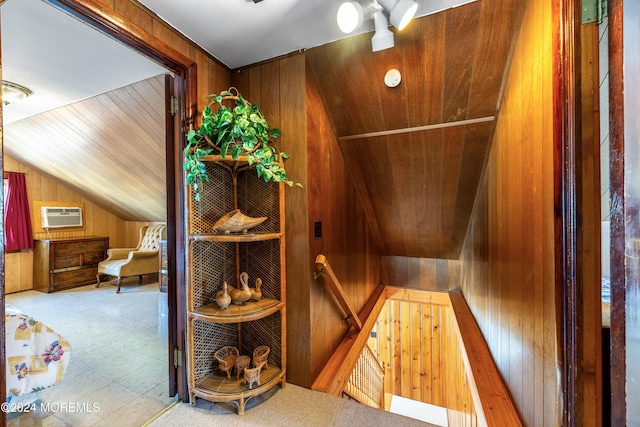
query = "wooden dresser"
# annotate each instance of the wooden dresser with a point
(67, 263)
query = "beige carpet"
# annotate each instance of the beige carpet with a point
(291, 406)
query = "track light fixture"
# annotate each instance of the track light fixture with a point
(383, 37)
(351, 14)
(401, 12)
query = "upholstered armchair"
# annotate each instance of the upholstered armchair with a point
(143, 259)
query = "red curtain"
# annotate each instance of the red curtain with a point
(18, 233)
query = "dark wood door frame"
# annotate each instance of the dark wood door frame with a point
(577, 217)
(624, 128)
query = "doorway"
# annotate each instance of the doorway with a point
(169, 166)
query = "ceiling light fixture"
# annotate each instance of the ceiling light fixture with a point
(383, 37)
(400, 11)
(350, 16)
(12, 92)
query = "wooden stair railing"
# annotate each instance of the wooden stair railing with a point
(491, 400)
(366, 383)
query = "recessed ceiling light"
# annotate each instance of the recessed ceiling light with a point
(12, 92)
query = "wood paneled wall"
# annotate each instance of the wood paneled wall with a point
(346, 239)
(418, 345)
(426, 274)
(98, 222)
(507, 263)
(289, 98)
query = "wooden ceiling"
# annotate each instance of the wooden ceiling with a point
(416, 151)
(110, 149)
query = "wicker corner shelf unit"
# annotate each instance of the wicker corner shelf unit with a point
(213, 258)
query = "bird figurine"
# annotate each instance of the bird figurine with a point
(256, 293)
(238, 296)
(223, 299)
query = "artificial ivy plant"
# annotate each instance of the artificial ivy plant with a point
(240, 130)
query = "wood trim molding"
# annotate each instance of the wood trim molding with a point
(419, 128)
(419, 296)
(108, 21)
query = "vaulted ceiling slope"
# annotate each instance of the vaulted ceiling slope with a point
(417, 151)
(110, 148)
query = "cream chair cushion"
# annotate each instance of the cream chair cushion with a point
(143, 259)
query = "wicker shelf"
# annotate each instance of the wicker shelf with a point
(218, 388)
(242, 160)
(250, 237)
(214, 258)
(252, 310)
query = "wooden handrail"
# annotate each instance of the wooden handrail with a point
(322, 267)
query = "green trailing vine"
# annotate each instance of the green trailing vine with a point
(236, 131)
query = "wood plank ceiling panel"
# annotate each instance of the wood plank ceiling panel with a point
(461, 40)
(109, 148)
(420, 179)
(423, 69)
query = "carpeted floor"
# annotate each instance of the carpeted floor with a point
(291, 406)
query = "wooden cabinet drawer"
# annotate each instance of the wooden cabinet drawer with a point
(75, 277)
(76, 248)
(66, 262)
(69, 261)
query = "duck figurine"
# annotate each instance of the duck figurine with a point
(238, 296)
(256, 293)
(223, 299)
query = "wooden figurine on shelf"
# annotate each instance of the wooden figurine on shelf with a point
(226, 357)
(238, 296)
(223, 299)
(260, 355)
(256, 293)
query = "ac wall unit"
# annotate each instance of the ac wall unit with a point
(57, 217)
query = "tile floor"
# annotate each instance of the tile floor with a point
(119, 354)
